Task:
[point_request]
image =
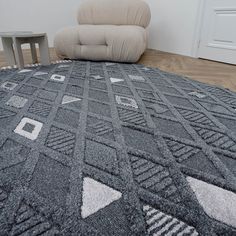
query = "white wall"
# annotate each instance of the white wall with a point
(172, 27)
(37, 15)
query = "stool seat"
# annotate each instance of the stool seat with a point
(12, 42)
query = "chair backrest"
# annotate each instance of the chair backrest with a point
(114, 12)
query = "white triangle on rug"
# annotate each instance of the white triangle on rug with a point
(116, 80)
(97, 77)
(96, 196)
(217, 202)
(68, 99)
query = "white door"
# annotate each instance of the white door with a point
(218, 36)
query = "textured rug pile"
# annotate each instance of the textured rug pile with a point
(115, 149)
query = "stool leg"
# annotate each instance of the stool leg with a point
(18, 53)
(44, 51)
(33, 53)
(8, 51)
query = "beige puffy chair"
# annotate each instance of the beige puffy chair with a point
(108, 30)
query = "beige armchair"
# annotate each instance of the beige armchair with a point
(108, 30)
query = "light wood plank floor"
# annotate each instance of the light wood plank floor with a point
(202, 70)
(198, 69)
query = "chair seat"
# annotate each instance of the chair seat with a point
(124, 43)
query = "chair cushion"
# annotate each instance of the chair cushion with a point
(114, 12)
(101, 42)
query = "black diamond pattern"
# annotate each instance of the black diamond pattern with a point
(140, 156)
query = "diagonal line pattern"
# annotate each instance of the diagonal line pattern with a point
(39, 108)
(5, 113)
(101, 128)
(154, 178)
(195, 116)
(216, 139)
(218, 92)
(222, 95)
(2, 94)
(130, 116)
(181, 151)
(159, 223)
(29, 222)
(3, 198)
(61, 141)
(229, 100)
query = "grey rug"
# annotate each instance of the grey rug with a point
(115, 149)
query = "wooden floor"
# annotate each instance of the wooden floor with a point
(198, 69)
(202, 70)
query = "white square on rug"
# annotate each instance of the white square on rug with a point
(125, 101)
(29, 128)
(59, 78)
(8, 85)
(16, 101)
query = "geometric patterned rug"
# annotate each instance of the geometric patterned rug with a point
(92, 148)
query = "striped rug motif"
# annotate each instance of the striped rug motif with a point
(159, 223)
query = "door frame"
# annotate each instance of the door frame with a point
(198, 28)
